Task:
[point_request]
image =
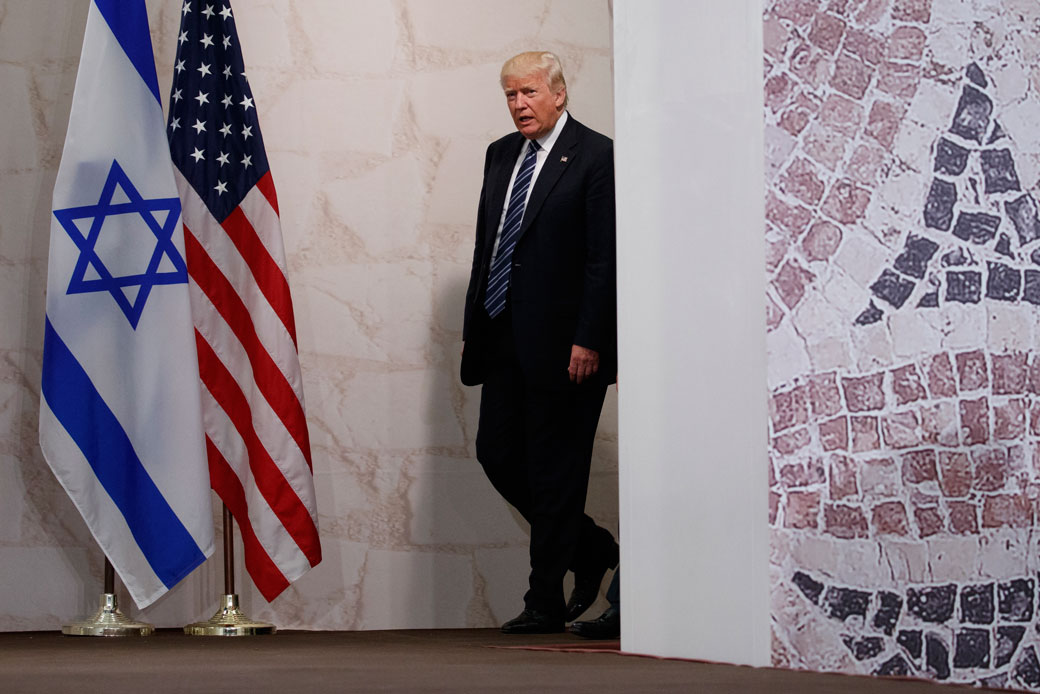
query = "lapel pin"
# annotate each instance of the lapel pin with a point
(563, 159)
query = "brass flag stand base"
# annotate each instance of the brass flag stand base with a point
(229, 619)
(108, 620)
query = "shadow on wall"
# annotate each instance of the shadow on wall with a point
(478, 543)
(460, 517)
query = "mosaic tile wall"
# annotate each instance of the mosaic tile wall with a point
(902, 168)
(903, 251)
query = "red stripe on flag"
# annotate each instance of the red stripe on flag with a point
(280, 496)
(266, 186)
(268, 377)
(268, 275)
(265, 573)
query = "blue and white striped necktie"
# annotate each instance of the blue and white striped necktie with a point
(498, 278)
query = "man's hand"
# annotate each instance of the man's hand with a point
(584, 363)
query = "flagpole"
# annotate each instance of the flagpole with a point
(229, 619)
(108, 620)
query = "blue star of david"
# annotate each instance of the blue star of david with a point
(89, 258)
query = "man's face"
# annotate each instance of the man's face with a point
(534, 106)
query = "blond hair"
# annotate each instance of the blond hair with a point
(542, 62)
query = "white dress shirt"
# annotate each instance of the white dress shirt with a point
(546, 143)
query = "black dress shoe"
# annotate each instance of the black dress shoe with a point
(586, 590)
(606, 626)
(533, 622)
(586, 586)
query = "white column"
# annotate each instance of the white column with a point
(691, 292)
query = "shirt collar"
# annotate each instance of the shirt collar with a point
(547, 141)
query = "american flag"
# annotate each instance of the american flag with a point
(256, 431)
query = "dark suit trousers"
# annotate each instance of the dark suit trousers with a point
(535, 445)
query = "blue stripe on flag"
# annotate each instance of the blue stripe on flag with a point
(128, 20)
(163, 539)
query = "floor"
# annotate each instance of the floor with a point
(450, 660)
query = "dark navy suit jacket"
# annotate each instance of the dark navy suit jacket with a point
(562, 287)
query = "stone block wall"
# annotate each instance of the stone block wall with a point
(376, 115)
(903, 173)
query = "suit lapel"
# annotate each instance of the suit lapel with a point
(499, 182)
(560, 157)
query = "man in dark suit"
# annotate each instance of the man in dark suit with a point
(540, 332)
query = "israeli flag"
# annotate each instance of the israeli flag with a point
(120, 416)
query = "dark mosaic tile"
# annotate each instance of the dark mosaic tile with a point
(994, 681)
(842, 603)
(933, 603)
(871, 314)
(936, 657)
(977, 227)
(938, 208)
(865, 647)
(1004, 246)
(950, 158)
(1015, 600)
(809, 586)
(929, 300)
(892, 288)
(973, 184)
(1023, 214)
(1031, 289)
(998, 170)
(896, 666)
(971, 648)
(1027, 669)
(977, 605)
(974, 73)
(887, 615)
(956, 257)
(917, 251)
(1003, 282)
(1008, 638)
(964, 286)
(971, 120)
(911, 640)
(997, 133)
